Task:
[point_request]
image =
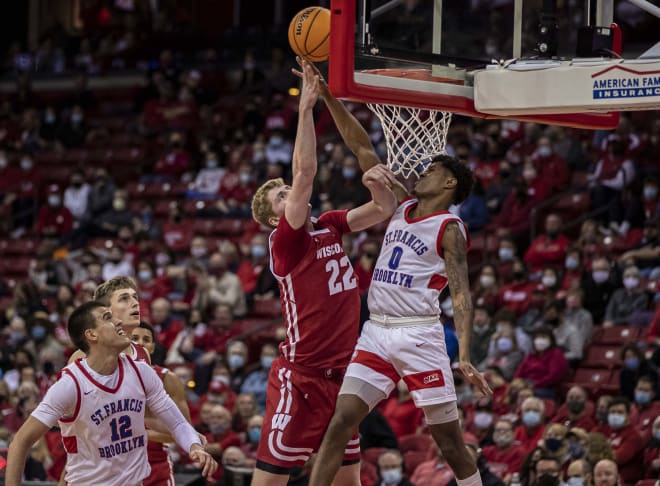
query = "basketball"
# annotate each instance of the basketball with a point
(309, 34)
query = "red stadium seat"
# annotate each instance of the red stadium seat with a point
(266, 307)
(591, 378)
(618, 335)
(646, 482)
(368, 473)
(372, 454)
(415, 442)
(603, 356)
(23, 246)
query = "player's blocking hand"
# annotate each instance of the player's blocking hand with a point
(203, 460)
(379, 174)
(323, 86)
(475, 377)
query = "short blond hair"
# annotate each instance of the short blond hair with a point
(262, 208)
(104, 291)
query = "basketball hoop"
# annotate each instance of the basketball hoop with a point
(413, 136)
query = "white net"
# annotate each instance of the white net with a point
(413, 136)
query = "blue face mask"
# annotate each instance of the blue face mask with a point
(552, 444)
(616, 420)
(391, 476)
(348, 172)
(258, 251)
(236, 361)
(531, 418)
(505, 253)
(656, 434)
(575, 449)
(575, 481)
(571, 263)
(38, 332)
(267, 362)
(650, 193)
(631, 363)
(254, 434)
(642, 397)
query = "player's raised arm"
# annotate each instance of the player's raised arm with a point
(379, 180)
(304, 152)
(27, 435)
(454, 247)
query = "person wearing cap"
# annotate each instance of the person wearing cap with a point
(54, 220)
(506, 454)
(577, 410)
(546, 366)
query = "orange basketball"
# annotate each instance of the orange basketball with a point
(309, 34)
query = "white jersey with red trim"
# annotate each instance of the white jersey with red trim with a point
(410, 272)
(105, 438)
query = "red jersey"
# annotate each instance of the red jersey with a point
(318, 291)
(156, 451)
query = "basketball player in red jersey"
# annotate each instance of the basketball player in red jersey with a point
(162, 473)
(121, 295)
(320, 302)
(424, 250)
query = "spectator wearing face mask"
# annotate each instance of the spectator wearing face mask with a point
(224, 286)
(220, 435)
(237, 360)
(599, 285)
(651, 199)
(499, 189)
(21, 197)
(530, 431)
(577, 441)
(537, 187)
(208, 179)
(54, 220)
(433, 472)
(76, 194)
(546, 366)
(482, 330)
(256, 380)
(505, 457)
(251, 443)
(504, 350)
(578, 473)
(606, 473)
(554, 442)
(506, 255)
(117, 264)
(174, 163)
(486, 290)
(572, 270)
(552, 169)
(626, 442)
(626, 302)
(364, 266)
(548, 249)
(567, 336)
(254, 263)
(652, 452)
(514, 218)
(634, 365)
(279, 150)
(500, 387)
(246, 407)
(547, 471)
(390, 469)
(347, 190)
(576, 316)
(576, 411)
(517, 295)
(644, 412)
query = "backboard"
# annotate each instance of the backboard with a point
(467, 57)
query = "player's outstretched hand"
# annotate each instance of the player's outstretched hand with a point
(379, 174)
(203, 460)
(475, 377)
(324, 92)
(310, 87)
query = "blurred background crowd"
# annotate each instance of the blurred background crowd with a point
(134, 149)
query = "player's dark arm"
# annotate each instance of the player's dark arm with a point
(27, 435)
(454, 249)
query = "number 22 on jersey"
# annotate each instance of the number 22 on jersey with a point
(341, 276)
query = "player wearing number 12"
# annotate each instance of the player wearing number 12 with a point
(320, 303)
(100, 403)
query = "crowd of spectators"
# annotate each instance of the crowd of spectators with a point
(565, 226)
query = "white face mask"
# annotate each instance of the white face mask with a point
(549, 280)
(630, 282)
(541, 343)
(487, 281)
(447, 308)
(391, 477)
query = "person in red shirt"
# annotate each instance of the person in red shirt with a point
(546, 366)
(401, 413)
(548, 249)
(165, 325)
(626, 442)
(530, 431)
(577, 411)
(652, 452)
(150, 287)
(644, 412)
(514, 217)
(252, 266)
(517, 295)
(506, 456)
(175, 162)
(220, 435)
(320, 302)
(552, 169)
(364, 266)
(54, 220)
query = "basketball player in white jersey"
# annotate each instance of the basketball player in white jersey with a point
(424, 250)
(99, 403)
